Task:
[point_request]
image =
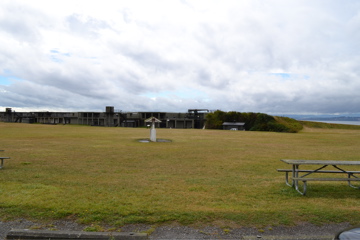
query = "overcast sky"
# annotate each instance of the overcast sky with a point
(271, 56)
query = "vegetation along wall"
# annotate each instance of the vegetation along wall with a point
(253, 121)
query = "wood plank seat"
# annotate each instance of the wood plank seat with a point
(320, 171)
(287, 171)
(305, 180)
(326, 179)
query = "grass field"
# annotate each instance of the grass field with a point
(104, 175)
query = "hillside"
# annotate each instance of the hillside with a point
(328, 125)
(253, 121)
(265, 122)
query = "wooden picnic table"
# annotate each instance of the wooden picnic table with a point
(319, 165)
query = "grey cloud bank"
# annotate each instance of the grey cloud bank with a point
(275, 56)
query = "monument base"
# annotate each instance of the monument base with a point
(153, 134)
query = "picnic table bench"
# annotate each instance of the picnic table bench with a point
(2, 160)
(296, 177)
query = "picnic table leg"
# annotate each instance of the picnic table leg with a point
(287, 179)
(349, 182)
(2, 163)
(295, 174)
(349, 176)
(303, 192)
(296, 182)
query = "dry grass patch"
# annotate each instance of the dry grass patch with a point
(105, 175)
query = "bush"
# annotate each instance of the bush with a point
(253, 121)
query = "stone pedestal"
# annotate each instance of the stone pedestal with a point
(153, 132)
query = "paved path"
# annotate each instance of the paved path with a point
(174, 231)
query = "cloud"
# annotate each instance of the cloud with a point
(275, 56)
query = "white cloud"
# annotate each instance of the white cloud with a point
(169, 55)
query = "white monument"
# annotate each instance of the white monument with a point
(153, 120)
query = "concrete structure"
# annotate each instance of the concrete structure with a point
(194, 118)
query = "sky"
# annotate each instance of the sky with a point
(270, 56)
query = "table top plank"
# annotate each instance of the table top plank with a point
(319, 162)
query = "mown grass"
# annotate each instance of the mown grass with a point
(104, 175)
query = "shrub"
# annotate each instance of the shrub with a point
(253, 121)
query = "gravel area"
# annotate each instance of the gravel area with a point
(176, 231)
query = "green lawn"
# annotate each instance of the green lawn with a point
(104, 175)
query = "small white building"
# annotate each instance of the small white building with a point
(233, 126)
